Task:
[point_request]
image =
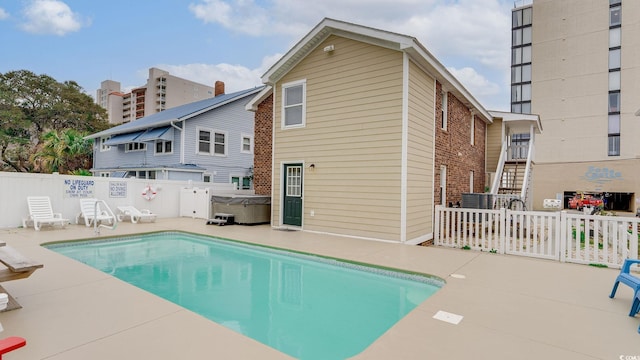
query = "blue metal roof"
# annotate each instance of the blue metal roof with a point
(123, 138)
(177, 113)
(161, 133)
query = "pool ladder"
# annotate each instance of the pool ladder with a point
(96, 227)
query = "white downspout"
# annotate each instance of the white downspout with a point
(181, 139)
(405, 141)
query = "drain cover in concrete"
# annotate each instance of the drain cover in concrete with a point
(448, 317)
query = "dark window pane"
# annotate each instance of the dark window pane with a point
(614, 102)
(219, 148)
(616, 16)
(204, 147)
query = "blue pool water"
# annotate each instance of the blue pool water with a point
(306, 306)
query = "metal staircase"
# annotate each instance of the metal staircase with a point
(512, 177)
(514, 171)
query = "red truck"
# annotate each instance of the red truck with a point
(580, 200)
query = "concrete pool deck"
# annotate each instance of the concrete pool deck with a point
(513, 307)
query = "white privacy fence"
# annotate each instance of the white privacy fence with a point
(65, 191)
(562, 236)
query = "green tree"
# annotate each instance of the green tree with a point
(33, 105)
(64, 151)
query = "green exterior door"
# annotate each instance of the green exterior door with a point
(292, 201)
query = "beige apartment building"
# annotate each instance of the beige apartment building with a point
(162, 91)
(576, 63)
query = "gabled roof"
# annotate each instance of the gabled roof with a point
(175, 114)
(516, 120)
(408, 44)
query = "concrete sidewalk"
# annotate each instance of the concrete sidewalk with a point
(513, 307)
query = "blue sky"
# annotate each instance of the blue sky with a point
(236, 41)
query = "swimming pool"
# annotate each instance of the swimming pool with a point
(306, 306)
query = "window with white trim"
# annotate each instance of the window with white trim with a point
(164, 147)
(212, 142)
(131, 147)
(444, 110)
(246, 144)
(241, 182)
(219, 143)
(142, 174)
(471, 181)
(204, 142)
(294, 104)
(473, 129)
(206, 177)
(104, 147)
(443, 185)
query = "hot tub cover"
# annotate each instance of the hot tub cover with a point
(241, 199)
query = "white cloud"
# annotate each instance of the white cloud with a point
(240, 15)
(475, 82)
(473, 29)
(483, 89)
(470, 35)
(3, 14)
(477, 29)
(50, 17)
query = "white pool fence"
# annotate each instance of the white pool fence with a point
(562, 236)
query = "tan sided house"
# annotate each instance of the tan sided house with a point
(361, 132)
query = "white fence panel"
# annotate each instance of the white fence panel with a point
(533, 233)
(599, 239)
(476, 229)
(567, 237)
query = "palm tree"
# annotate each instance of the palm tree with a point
(63, 151)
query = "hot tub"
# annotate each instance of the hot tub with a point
(246, 209)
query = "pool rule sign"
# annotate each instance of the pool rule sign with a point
(117, 189)
(78, 188)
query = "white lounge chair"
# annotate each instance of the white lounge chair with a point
(135, 215)
(90, 211)
(41, 213)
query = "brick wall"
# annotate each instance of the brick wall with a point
(262, 147)
(454, 149)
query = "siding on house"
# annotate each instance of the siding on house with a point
(353, 136)
(420, 156)
(233, 120)
(116, 156)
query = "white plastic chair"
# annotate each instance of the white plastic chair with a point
(135, 215)
(41, 213)
(90, 211)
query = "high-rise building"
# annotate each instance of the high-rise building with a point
(162, 91)
(576, 63)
